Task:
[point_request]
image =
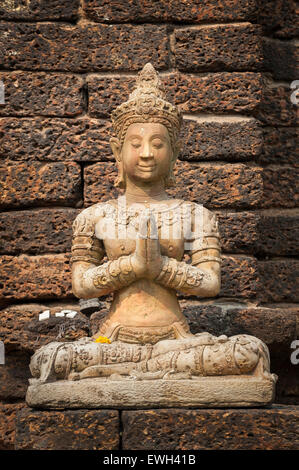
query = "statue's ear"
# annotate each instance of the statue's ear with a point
(116, 148)
(177, 149)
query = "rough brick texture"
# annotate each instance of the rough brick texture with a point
(50, 139)
(280, 280)
(280, 146)
(67, 430)
(220, 47)
(281, 187)
(251, 429)
(277, 108)
(224, 140)
(36, 231)
(45, 94)
(31, 184)
(221, 92)
(35, 277)
(23, 332)
(281, 59)
(278, 17)
(81, 48)
(39, 10)
(228, 66)
(7, 424)
(195, 11)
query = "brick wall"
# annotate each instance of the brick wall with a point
(228, 64)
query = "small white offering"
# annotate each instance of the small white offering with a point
(44, 315)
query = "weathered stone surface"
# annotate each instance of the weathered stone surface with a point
(274, 326)
(82, 47)
(202, 392)
(219, 47)
(279, 233)
(34, 183)
(14, 375)
(36, 231)
(281, 59)
(288, 380)
(239, 277)
(277, 108)
(214, 92)
(67, 430)
(45, 94)
(280, 146)
(238, 232)
(279, 278)
(53, 139)
(218, 186)
(41, 10)
(220, 140)
(269, 232)
(280, 187)
(7, 424)
(99, 181)
(214, 186)
(35, 277)
(175, 11)
(278, 17)
(271, 429)
(22, 331)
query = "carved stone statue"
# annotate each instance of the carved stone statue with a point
(156, 246)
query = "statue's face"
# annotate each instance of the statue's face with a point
(146, 152)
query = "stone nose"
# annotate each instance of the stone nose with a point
(146, 151)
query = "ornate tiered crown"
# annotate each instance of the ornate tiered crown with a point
(147, 103)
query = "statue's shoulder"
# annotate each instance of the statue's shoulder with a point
(205, 218)
(210, 223)
(86, 220)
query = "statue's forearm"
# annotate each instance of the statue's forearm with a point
(95, 281)
(188, 279)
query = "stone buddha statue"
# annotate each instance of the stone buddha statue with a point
(155, 247)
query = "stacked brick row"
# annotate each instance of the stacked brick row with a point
(228, 65)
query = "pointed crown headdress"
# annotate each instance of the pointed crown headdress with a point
(147, 103)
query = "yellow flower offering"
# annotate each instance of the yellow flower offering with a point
(102, 339)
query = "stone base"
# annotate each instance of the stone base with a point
(205, 392)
